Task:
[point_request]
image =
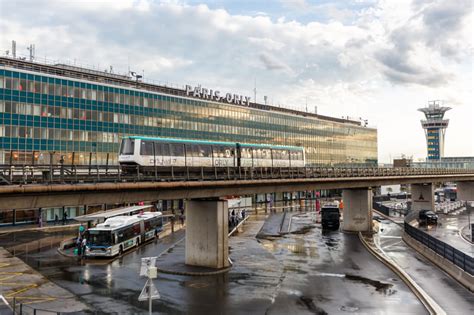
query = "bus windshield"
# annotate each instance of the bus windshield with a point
(127, 146)
(99, 238)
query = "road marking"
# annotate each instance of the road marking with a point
(24, 287)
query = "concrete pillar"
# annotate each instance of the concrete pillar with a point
(357, 210)
(465, 191)
(207, 233)
(422, 197)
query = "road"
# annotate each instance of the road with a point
(448, 231)
(307, 273)
(448, 293)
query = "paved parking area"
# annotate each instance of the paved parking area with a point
(20, 282)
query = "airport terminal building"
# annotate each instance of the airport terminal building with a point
(55, 110)
(73, 114)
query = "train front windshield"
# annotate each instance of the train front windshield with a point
(127, 146)
(99, 238)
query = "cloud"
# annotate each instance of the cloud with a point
(272, 63)
(338, 63)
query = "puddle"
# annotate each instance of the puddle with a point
(308, 302)
(349, 308)
(303, 230)
(379, 286)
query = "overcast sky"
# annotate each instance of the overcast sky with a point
(379, 60)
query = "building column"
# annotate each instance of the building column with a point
(357, 210)
(422, 197)
(207, 233)
(465, 191)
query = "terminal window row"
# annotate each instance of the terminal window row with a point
(134, 98)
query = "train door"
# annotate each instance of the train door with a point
(165, 150)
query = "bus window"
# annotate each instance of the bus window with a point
(99, 238)
(127, 146)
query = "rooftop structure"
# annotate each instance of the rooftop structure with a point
(435, 128)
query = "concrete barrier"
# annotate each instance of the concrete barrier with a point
(457, 273)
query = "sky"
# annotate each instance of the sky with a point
(372, 59)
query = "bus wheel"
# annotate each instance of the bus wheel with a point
(120, 250)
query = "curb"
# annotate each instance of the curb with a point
(45, 228)
(426, 300)
(194, 274)
(445, 265)
(463, 237)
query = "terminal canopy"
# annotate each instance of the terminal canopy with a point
(103, 215)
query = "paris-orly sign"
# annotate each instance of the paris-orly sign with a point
(208, 94)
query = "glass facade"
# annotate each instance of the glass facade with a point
(45, 115)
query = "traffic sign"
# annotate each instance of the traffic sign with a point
(149, 292)
(147, 262)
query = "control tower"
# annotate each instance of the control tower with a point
(435, 128)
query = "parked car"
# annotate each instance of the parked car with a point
(427, 217)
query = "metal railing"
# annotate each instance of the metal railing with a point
(61, 173)
(458, 258)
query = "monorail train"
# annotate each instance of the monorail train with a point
(160, 152)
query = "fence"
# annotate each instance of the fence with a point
(381, 208)
(18, 308)
(458, 258)
(62, 173)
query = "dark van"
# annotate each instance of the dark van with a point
(427, 217)
(330, 217)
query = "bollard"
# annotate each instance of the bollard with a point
(21, 308)
(14, 305)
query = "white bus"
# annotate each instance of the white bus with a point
(120, 233)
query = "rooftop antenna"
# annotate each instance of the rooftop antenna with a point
(255, 91)
(306, 104)
(265, 98)
(14, 48)
(32, 51)
(316, 110)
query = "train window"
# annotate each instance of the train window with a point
(276, 154)
(204, 150)
(157, 148)
(177, 149)
(218, 151)
(246, 153)
(146, 148)
(165, 147)
(127, 146)
(189, 150)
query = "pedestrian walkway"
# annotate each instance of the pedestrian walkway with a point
(20, 283)
(50, 226)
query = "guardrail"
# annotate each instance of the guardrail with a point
(52, 173)
(381, 208)
(458, 258)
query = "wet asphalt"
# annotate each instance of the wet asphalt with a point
(447, 292)
(448, 230)
(309, 272)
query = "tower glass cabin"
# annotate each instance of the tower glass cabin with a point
(435, 128)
